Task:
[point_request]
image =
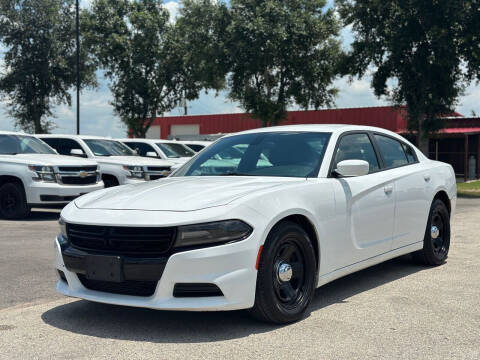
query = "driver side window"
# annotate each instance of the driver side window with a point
(356, 147)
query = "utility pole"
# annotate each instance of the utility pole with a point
(185, 110)
(77, 35)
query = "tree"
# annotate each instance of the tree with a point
(282, 53)
(470, 41)
(128, 38)
(40, 65)
(412, 47)
(197, 45)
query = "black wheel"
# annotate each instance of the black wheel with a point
(13, 202)
(287, 273)
(110, 181)
(436, 242)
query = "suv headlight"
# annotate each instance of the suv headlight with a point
(134, 172)
(44, 173)
(212, 233)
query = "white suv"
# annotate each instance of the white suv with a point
(118, 163)
(164, 149)
(33, 174)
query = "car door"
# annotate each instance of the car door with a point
(365, 204)
(412, 202)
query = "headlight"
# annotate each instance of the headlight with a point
(63, 230)
(135, 172)
(212, 233)
(44, 173)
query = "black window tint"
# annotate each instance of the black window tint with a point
(195, 147)
(140, 148)
(392, 151)
(356, 147)
(410, 154)
(63, 146)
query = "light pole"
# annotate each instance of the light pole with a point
(77, 35)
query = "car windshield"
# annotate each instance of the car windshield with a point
(102, 147)
(173, 150)
(283, 154)
(20, 144)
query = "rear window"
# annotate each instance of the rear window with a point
(392, 151)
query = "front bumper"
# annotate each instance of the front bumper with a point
(230, 267)
(43, 193)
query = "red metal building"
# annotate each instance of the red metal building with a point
(458, 143)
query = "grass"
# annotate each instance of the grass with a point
(469, 189)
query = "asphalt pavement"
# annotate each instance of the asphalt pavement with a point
(395, 310)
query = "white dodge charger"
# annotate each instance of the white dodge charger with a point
(257, 221)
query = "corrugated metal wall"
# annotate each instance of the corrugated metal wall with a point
(385, 117)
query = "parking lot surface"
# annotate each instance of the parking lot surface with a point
(392, 310)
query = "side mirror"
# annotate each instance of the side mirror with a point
(151, 154)
(350, 168)
(77, 152)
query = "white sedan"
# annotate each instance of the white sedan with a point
(302, 206)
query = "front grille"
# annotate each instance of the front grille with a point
(74, 180)
(156, 177)
(77, 168)
(128, 287)
(158, 168)
(122, 240)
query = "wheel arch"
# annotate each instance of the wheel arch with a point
(4, 179)
(443, 196)
(305, 222)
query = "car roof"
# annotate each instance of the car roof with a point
(14, 133)
(331, 128)
(70, 136)
(150, 140)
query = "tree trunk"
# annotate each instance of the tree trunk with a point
(422, 138)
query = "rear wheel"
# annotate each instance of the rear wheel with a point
(436, 242)
(13, 202)
(286, 275)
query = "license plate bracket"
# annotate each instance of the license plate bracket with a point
(104, 268)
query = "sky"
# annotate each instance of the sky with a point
(97, 117)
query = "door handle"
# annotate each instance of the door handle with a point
(388, 189)
(426, 177)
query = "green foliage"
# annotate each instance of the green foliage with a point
(470, 41)
(129, 39)
(415, 45)
(275, 53)
(282, 53)
(40, 61)
(197, 45)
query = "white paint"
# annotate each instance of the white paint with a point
(359, 221)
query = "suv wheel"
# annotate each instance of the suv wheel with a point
(13, 202)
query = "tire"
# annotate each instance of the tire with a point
(435, 244)
(278, 298)
(110, 181)
(13, 202)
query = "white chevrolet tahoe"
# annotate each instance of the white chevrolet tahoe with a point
(33, 174)
(119, 164)
(164, 149)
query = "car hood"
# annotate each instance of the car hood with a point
(132, 161)
(47, 160)
(180, 193)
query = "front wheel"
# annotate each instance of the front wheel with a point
(436, 242)
(13, 203)
(286, 275)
